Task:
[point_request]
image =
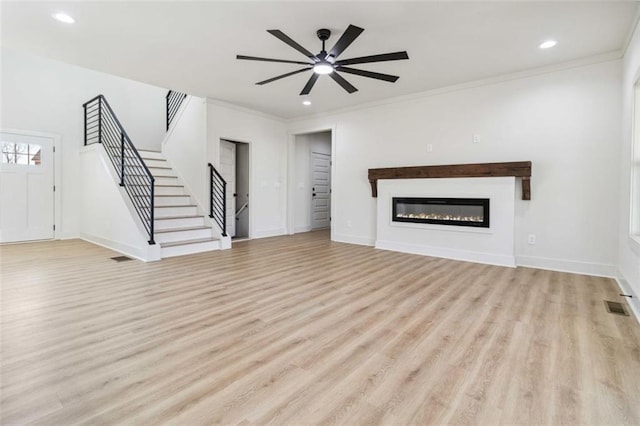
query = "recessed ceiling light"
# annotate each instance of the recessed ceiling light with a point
(306, 103)
(547, 44)
(63, 17)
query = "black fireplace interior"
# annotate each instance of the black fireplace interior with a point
(442, 211)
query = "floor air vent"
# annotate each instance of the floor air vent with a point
(615, 308)
(121, 258)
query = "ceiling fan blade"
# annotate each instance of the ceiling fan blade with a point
(352, 32)
(283, 76)
(307, 87)
(395, 56)
(342, 82)
(255, 58)
(288, 40)
(370, 74)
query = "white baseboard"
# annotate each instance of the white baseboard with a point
(66, 235)
(353, 239)
(633, 301)
(464, 255)
(146, 255)
(572, 266)
(298, 229)
(269, 233)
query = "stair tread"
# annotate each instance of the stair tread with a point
(187, 242)
(148, 150)
(160, 186)
(195, 216)
(191, 228)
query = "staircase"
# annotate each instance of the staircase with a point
(179, 227)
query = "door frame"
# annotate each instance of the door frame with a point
(217, 163)
(291, 173)
(55, 139)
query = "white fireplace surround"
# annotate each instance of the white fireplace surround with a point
(494, 245)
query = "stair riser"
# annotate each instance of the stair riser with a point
(175, 211)
(172, 201)
(150, 155)
(189, 249)
(162, 172)
(194, 234)
(179, 223)
(156, 163)
(166, 181)
(170, 190)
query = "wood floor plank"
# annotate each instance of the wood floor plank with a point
(300, 329)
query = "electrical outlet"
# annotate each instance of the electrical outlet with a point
(476, 138)
(532, 239)
(429, 147)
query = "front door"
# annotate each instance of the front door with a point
(26, 188)
(320, 190)
(228, 172)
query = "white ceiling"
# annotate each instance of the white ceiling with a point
(191, 46)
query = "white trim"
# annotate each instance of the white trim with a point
(299, 229)
(217, 166)
(274, 232)
(565, 265)
(633, 301)
(591, 60)
(57, 182)
(131, 251)
(447, 253)
(291, 171)
(352, 239)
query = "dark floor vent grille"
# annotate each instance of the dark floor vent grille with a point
(121, 258)
(615, 308)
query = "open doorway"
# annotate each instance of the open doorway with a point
(312, 197)
(234, 168)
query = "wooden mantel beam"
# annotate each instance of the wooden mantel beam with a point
(521, 169)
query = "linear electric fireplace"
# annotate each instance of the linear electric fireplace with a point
(442, 211)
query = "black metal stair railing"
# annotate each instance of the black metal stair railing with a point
(102, 126)
(174, 100)
(218, 199)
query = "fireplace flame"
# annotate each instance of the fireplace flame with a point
(436, 216)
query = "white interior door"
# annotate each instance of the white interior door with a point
(26, 188)
(321, 190)
(228, 172)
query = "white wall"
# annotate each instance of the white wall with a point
(185, 147)
(43, 95)
(566, 122)
(107, 217)
(304, 145)
(628, 250)
(267, 138)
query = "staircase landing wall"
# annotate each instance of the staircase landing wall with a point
(107, 215)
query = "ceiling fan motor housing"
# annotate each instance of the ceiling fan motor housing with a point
(323, 34)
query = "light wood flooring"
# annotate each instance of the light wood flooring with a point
(301, 330)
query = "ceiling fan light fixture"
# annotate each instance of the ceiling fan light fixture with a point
(323, 67)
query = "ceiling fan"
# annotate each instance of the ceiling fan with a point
(326, 63)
